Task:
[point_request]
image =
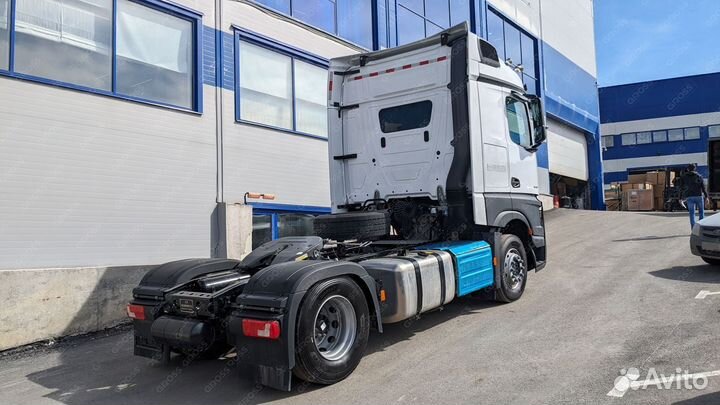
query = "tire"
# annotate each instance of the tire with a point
(712, 261)
(353, 225)
(319, 359)
(513, 273)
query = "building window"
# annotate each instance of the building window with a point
(692, 133)
(265, 86)
(270, 223)
(516, 47)
(262, 229)
(644, 137)
(417, 19)
(295, 224)
(714, 131)
(70, 43)
(676, 135)
(349, 19)
(4, 34)
(608, 141)
(280, 90)
(659, 136)
(67, 41)
(629, 139)
(154, 55)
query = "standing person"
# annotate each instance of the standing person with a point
(693, 190)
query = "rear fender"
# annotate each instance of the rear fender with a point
(277, 292)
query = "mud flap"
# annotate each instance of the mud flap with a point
(279, 378)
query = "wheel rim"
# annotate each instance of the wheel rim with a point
(335, 327)
(514, 269)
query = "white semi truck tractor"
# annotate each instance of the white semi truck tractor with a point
(434, 185)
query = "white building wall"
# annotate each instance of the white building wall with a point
(90, 180)
(525, 13)
(297, 169)
(568, 26)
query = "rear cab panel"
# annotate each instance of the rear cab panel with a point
(404, 103)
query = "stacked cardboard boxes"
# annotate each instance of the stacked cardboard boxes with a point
(642, 192)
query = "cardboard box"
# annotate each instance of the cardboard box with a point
(639, 200)
(636, 186)
(659, 204)
(612, 204)
(659, 191)
(637, 178)
(656, 177)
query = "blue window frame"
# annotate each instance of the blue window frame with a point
(273, 221)
(140, 50)
(279, 87)
(349, 19)
(515, 46)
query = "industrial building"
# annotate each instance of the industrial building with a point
(124, 124)
(660, 124)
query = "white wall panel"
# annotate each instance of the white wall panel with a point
(568, 26)
(621, 165)
(567, 151)
(525, 13)
(680, 121)
(294, 168)
(92, 180)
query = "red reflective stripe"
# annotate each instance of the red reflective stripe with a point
(330, 86)
(407, 66)
(390, 70)
(425, 62)
(374, 74)
(358, 77)
(442, 58)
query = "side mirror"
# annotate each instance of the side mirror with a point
(537, 113)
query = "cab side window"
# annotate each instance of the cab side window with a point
(518, 122)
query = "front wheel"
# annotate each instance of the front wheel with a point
(332, 331)
(712, 261)
(513, 270)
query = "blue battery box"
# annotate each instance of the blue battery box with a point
(473, 263)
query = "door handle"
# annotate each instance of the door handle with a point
(515, 182)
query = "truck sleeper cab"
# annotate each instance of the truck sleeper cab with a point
(434, 196)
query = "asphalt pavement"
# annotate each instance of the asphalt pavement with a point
(622, 314)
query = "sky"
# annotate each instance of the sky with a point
(640, 40)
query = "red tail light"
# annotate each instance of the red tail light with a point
(261, 329)
(136, 312)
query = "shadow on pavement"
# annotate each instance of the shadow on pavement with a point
(702, 273)
(712, 398)
(105, 370)
(644, 238)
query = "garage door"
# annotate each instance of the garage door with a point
(567, 151)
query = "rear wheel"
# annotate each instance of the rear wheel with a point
(353, 225)
(332, 331)
(713, 261)
(513, 270)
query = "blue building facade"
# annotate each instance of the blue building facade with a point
(659, 124)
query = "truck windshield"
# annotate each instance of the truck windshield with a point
(406, 117)
(518, 123)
